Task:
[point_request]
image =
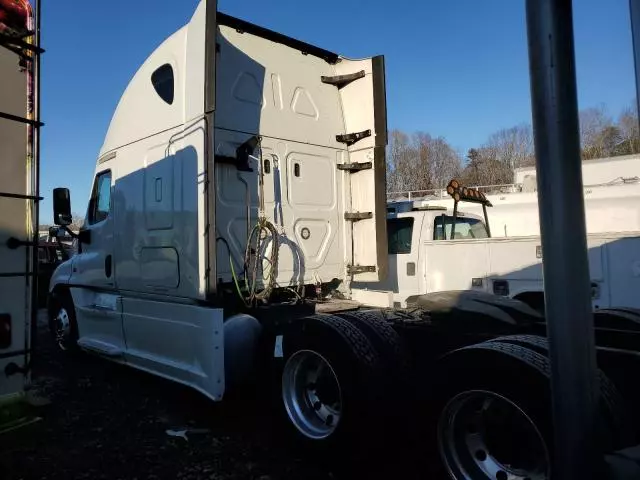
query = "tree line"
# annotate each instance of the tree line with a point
(420, 161)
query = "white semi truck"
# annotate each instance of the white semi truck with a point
(19, 160)
(240, 186)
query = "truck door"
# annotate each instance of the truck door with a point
(361, 86)
(404, 236)
(98, 305)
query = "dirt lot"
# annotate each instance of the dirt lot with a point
(110, 422)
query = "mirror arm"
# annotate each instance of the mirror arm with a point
(69, 231)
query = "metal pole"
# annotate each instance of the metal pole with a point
(486, 219)
(455, 220)
(562, 219)
(35, 176)
(634, 14)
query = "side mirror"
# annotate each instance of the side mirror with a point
(62, 207)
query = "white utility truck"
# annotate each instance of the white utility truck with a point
(19, 53)
(239, 190)
(421, 261)
(612, 206)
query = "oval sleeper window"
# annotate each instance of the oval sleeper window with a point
(163, 82)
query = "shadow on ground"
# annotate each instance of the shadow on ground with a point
(107, 421)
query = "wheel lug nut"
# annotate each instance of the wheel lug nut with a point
(317, 406)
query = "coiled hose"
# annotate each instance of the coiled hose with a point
(263, 231)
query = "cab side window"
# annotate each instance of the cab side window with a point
(466, 227)
(100, 198)
(399, 232)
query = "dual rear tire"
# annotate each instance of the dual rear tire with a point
(488, 415)
(495, 419)
(337, 381)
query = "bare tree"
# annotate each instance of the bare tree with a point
(513, 146)
(420, 162)
(77, 221)
(598, 134)
(399, 158)
(444, 163)
(629, 131)
(505, 150)
(423, 162)
(485, 168)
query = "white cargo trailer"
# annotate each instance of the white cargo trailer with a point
(19, 61)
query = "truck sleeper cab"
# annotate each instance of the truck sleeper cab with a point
(228, 132)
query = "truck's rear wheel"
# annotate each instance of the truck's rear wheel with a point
(328, 379)
(393, 379)
(312, 394)
(615, 412)
(509, 435)
(474, 446)
(382, 336)
(495, 419)
(617, 318)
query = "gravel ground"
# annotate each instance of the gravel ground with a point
(107, 421)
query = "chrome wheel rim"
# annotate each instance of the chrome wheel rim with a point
(62, 324)
(485, 436)
(311, 394)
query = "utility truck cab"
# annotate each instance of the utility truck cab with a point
(410, 225)
(425, 258)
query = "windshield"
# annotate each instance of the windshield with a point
(466, 227)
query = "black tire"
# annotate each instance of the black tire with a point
(512, 373)
(63, 301)
(356, 366)
(618, 318)
(616, 413)
(397, 400)
(382, 336)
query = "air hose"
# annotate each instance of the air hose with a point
(258, 239)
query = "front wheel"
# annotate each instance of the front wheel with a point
(63, 325)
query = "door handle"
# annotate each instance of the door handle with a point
(411, 269)
(107, 266)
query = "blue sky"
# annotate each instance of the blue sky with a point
(455, 68)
